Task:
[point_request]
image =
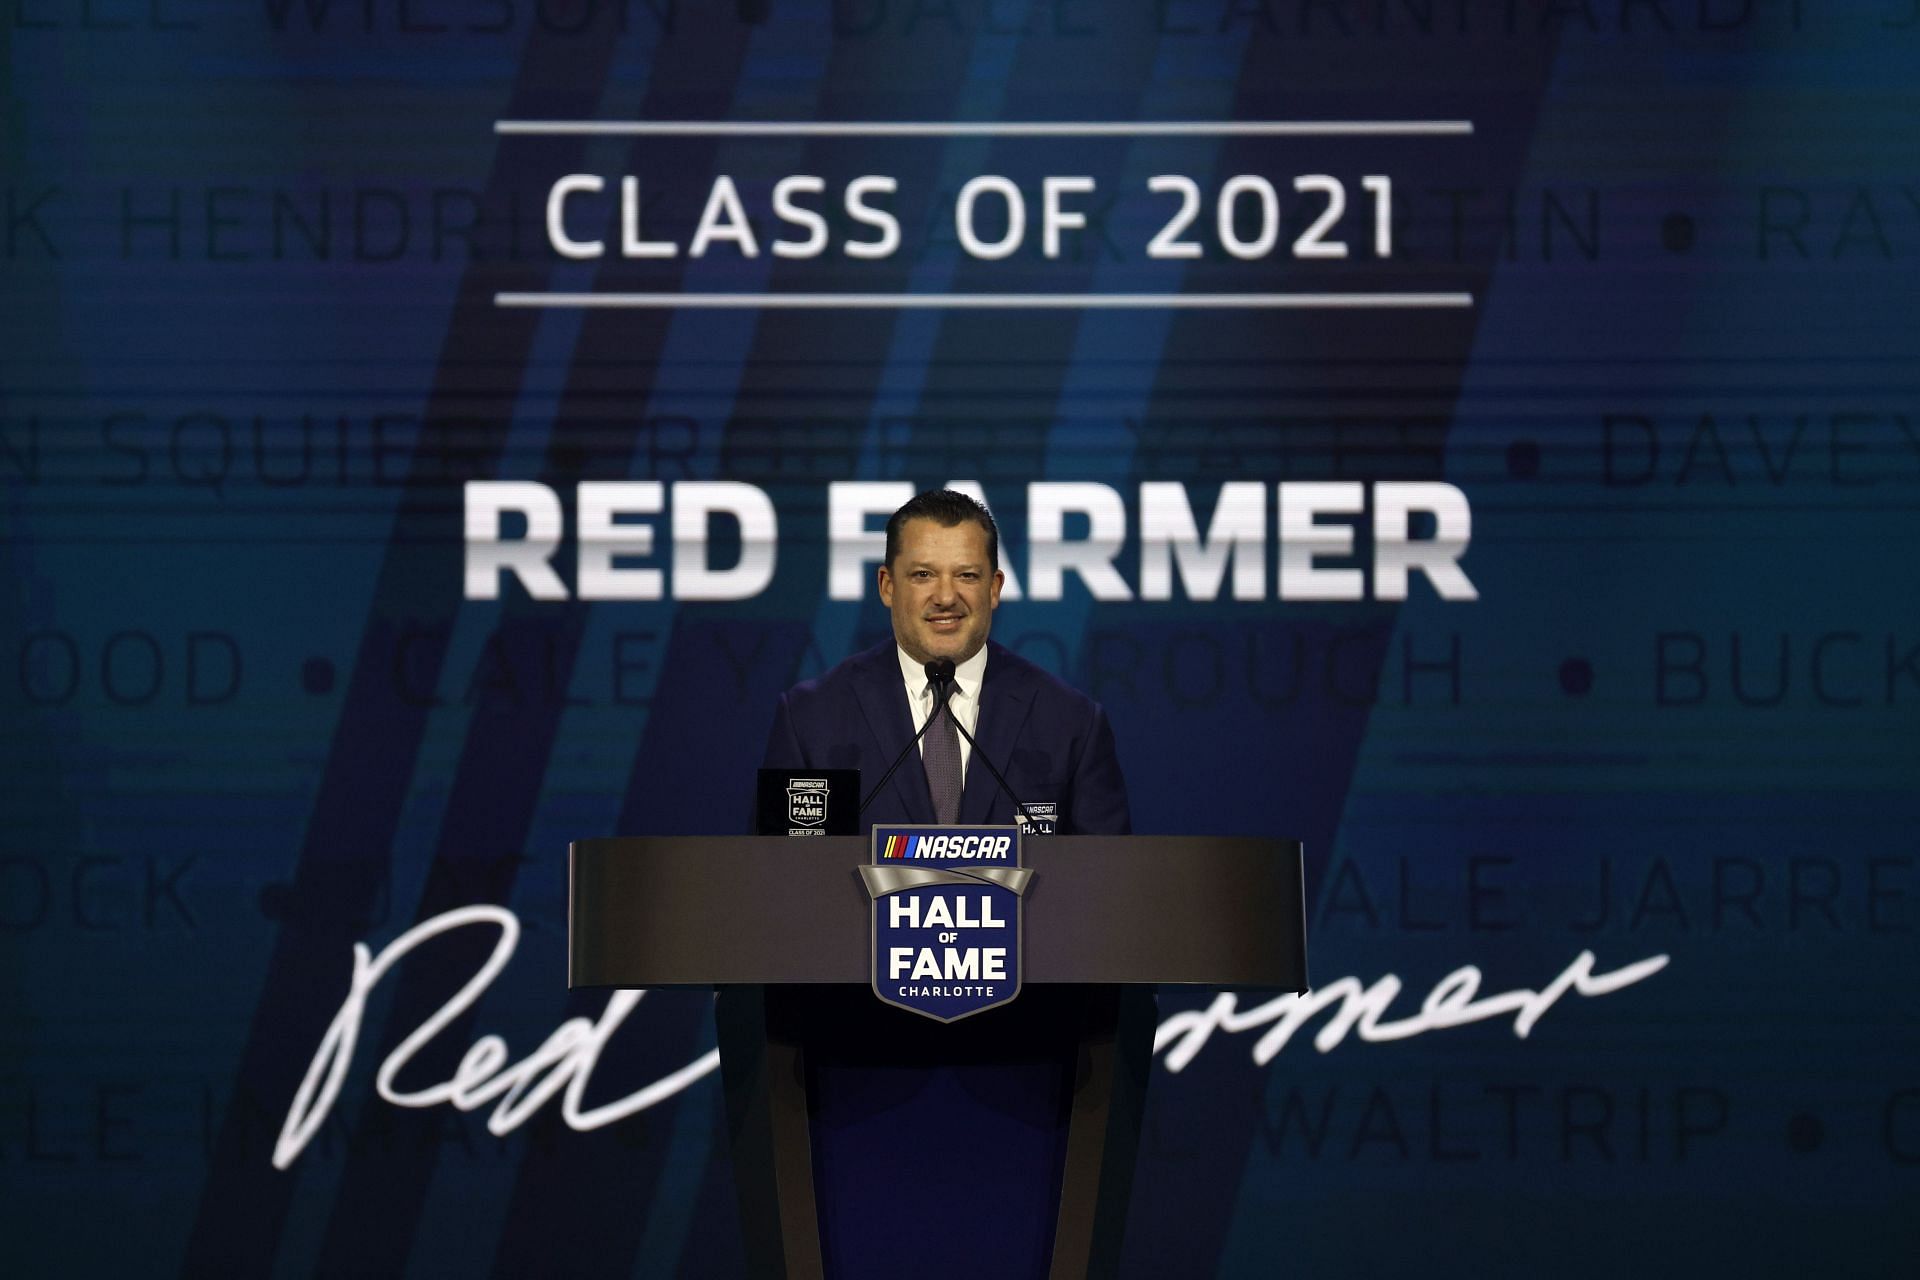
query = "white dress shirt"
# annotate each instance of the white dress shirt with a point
(965, 701)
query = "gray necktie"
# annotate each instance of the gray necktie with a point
(940, 756)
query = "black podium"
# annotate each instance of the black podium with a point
(781, 928)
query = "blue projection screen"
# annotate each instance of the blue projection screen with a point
(1477, 438)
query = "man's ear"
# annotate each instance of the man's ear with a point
(886, 587)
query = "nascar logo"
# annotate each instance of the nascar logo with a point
(979, 847)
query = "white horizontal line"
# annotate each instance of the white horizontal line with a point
(987, 301)
(996, 129)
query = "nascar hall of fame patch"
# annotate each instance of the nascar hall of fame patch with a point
(807, 806)
(947, 917)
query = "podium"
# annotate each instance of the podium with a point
(869, 1140)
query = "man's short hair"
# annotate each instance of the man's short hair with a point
(945, 508)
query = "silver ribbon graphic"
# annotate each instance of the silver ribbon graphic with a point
(883, 880)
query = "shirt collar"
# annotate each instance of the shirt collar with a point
(967, 677)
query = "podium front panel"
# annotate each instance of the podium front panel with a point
(711, 911)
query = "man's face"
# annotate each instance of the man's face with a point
(941, 589)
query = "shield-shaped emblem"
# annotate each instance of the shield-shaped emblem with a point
(947, 918)
(807, 802)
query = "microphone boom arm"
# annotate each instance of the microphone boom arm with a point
(1019, 809)
(940, 676)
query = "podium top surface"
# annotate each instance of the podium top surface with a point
(709, 911)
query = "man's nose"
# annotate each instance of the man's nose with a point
(945, 591)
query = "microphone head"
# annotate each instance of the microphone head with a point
(940, 671)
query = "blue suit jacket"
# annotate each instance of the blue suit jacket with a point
(1052, 742)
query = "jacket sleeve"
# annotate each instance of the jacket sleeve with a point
(783, 743)
(1097, 803)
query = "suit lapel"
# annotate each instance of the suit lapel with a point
(883, 701)
(1004, 703)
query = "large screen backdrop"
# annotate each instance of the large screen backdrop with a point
(1507, 485)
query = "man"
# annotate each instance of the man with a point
(982, 1141)
(941, 579)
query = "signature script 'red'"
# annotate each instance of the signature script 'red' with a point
(564, 1061)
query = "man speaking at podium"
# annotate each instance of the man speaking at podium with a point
(983, 1157)
(941, 578)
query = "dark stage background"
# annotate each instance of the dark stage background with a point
(252, 354)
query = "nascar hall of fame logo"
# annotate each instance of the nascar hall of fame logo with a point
(807, 806)
(947, 915)
(1038, 817)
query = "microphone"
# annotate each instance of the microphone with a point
(940, 672)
